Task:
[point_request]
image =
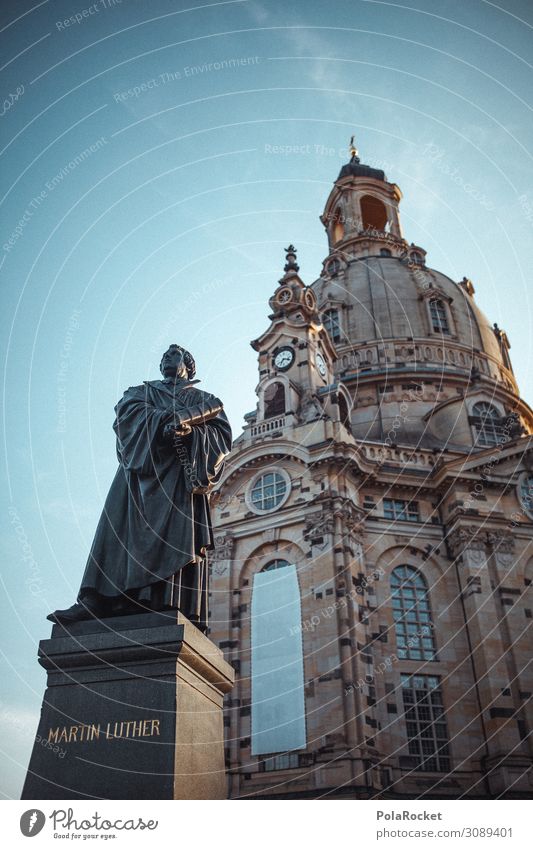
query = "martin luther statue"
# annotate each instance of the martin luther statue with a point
(149, 550)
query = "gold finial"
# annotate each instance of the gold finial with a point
(353, 150)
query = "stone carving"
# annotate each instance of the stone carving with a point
(310, 408)
(466, 537)
(318, 526)
(470, 538)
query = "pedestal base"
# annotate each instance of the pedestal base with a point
(132, 710)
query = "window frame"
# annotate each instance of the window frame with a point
(439, 316)
(270, 385)
(330, 323)
(410, 509)
(412, 615)
(276, 563)
(276, 470)
(479, 429)
(528, 509)
(276, 762)
(429, 721)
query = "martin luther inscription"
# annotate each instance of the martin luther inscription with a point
(82, 733)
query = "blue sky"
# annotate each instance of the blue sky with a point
(146, 201)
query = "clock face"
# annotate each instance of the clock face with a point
(284, 358)
(320, 364)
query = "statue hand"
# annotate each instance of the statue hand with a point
(169, 431)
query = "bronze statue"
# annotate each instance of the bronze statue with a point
(149, 550)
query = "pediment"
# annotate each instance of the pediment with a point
(503, 462)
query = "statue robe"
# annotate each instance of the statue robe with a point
(155, 526)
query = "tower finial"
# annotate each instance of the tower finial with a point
(291, 264)
(354, 153)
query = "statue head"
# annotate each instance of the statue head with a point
(177, 362)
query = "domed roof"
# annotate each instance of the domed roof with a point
(385, 299)
(355, 169)
(397, 366)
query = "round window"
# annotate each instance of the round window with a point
(268, 491)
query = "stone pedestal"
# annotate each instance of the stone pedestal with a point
(132, 710)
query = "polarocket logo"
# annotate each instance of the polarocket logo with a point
(32, 822)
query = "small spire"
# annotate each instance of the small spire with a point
(291, 264)
(354, 153)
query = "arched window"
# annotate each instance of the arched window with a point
(331, 322)
(486, 421)
(412, 614)
(268, 491)
(385, 252)
(417, 258)
(274, 400)
(344, 412)
(275, 564)
(439, 316)
(338, 226)
(373, 213)
(526, 493)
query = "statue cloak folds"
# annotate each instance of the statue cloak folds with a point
(150, 543)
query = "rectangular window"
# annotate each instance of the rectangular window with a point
(290, 760)
(332, 324)
(397, 509)
(439, 319)
(427, 732)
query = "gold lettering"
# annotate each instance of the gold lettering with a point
(91, 731)
(52, 735)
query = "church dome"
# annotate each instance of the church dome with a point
(410, 341)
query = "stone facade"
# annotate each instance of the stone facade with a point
(390, 423)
